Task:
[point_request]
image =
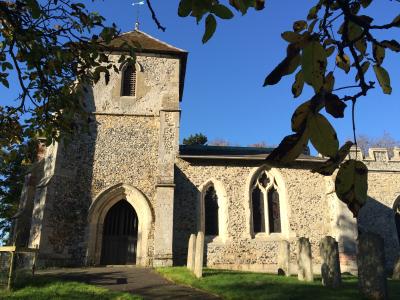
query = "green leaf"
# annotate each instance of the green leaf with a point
(185, 7)
(364, 67)
(379, 53)
(290, 148)
(299, 26)
(313, 12)
(300, 116)
(259, 4)
(35, 8)
(314, 65)
(383, 78)
(222, 11)
(286, 66)
(329, 82)
(329, 51)
(351, 184)
(354, 31)
(241, 5)
(292, 37)
(361, 45)
(5, 82)
(334, 106)
(6, 65)
(211, 26)
(343, 62)
(328, 167)
(322, 135)
(365, 3)
(312, 25)
(392, 45)
(298, 84)
(397, 21)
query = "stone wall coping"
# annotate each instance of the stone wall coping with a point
(260, 157)
(374, 154)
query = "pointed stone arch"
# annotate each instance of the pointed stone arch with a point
(223, 217)
(396, 210)
(283, 200)
(97, 213)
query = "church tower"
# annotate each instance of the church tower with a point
(106, 197)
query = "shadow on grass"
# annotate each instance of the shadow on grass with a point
(247, 285)
(45, 287)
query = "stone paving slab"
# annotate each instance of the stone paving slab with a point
(141, 281)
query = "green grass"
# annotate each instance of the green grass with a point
(41, 287)
(246, 285)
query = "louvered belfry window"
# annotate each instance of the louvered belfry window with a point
(129, 81)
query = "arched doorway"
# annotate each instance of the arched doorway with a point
(102, 204)
(120, 234)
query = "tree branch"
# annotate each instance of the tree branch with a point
(154, 16)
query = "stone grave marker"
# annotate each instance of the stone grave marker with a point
(284, 258)
(199, 255)
(191, 252)
(330, 267)
(304, 260)
(371, 266)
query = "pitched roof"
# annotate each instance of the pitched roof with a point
(229, 153)
(147, 43)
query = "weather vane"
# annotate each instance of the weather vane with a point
(137, 4)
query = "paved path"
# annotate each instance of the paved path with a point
(140, 281)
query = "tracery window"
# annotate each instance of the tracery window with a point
(129, 81)
(266, 216)
(211, 211)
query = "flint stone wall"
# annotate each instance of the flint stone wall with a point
(122, 146)
(313, 211)
(377, 215)
(307, 214)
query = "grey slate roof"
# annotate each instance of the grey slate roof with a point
(230, 152)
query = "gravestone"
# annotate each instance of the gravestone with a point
(304, 260)
(396, 269)
(330, 267)
(371, 266)
(191, 252)
(284, 258)
(199, 255)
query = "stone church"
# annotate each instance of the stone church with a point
(126, 192)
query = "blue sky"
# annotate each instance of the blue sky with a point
(224, 97)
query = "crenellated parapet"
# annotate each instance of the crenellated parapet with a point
(378, 158)
(375, 154)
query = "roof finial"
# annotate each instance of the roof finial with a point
(137, 13)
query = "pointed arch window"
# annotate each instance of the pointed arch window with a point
(129, 81)
(211, 212)
(396, 208)
(266, 215)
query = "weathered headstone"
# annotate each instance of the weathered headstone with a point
(330, 267)
(199, 255)
(396, 269)
(191, 252)
(304, 260)
(284, 258)
(371, 266)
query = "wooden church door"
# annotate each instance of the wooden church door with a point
(120, 235)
